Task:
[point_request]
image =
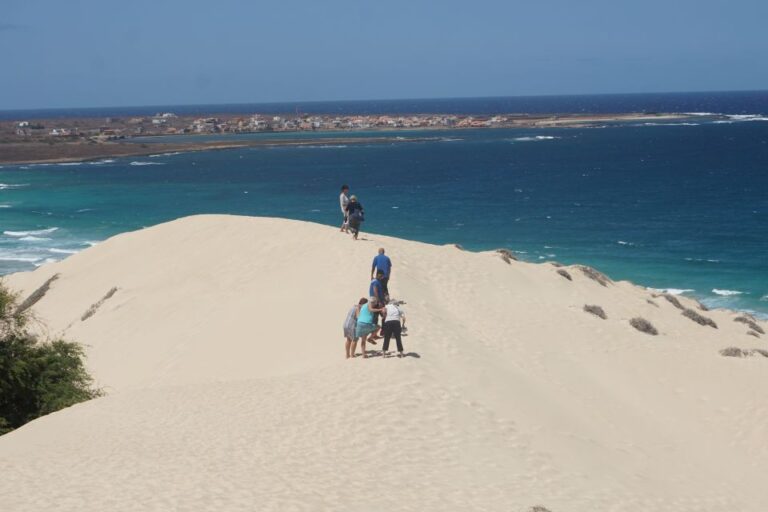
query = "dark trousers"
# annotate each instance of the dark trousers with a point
(393, 328)
(384, 282)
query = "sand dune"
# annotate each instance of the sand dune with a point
(222, 357)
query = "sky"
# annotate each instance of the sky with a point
(97, 53)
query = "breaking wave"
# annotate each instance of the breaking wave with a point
(534, 139)
(30, 233)
(726, 293)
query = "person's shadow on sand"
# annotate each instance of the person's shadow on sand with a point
(379, 353)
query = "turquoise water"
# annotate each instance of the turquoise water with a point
(677, 205)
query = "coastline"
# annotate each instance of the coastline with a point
(17, 151)
(116, 150)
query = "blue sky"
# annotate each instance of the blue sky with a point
(81, 53)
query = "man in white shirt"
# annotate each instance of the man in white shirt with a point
(344, 202)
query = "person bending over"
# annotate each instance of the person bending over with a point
(376, 292)
(393, 317)
(350, 325)
(365, 324)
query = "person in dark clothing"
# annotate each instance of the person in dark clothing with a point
(356, 216)
(393, 317)
(376, 293)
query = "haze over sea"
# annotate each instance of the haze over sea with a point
(675, 205)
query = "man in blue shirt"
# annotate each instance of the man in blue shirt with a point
(382, 263)
(376, 290)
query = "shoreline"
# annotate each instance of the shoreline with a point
(137, 149)
(18, 151)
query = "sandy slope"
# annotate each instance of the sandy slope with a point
(222, 356)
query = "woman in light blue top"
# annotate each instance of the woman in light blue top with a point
(365, 325)
(350, 328)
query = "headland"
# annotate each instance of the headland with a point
(75, 139)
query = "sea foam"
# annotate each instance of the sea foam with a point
(672, 291)
(139, 163)
(30, 233)
(534, 139)
(726, 293)
(33, 239)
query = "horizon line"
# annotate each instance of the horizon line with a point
(436, 98)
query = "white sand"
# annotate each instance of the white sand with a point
(227, 389)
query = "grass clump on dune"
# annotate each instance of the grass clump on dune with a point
(749, 322)
(507, 255)
(595, 310)
(673, 300)
(643, 325)
(36, 378)
(699, 319)
(38, 294)
(95, 306)
(594, 275)
(741, 352)
(565, 274)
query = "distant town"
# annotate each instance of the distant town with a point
(168, 123)
(70, 139)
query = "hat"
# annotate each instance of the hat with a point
(353, 198)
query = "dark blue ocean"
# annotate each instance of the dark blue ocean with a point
(680, 206)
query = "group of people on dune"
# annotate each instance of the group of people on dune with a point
(363, 319)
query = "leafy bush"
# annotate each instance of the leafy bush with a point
(36, 378)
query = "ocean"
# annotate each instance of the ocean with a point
(681, 206)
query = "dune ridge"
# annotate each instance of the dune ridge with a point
(218, 342)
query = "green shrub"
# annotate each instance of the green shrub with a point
(36, 378)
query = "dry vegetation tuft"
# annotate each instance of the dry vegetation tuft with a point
(673, 300)
(36, 295)
(565, 274)
(507, 255)
(643, 325)
(739, 352)
(750, 322)
(92, 310)
(594, 275)
(699, 319)
(651, 302)
(595, 310)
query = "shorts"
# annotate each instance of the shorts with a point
(364, 328)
